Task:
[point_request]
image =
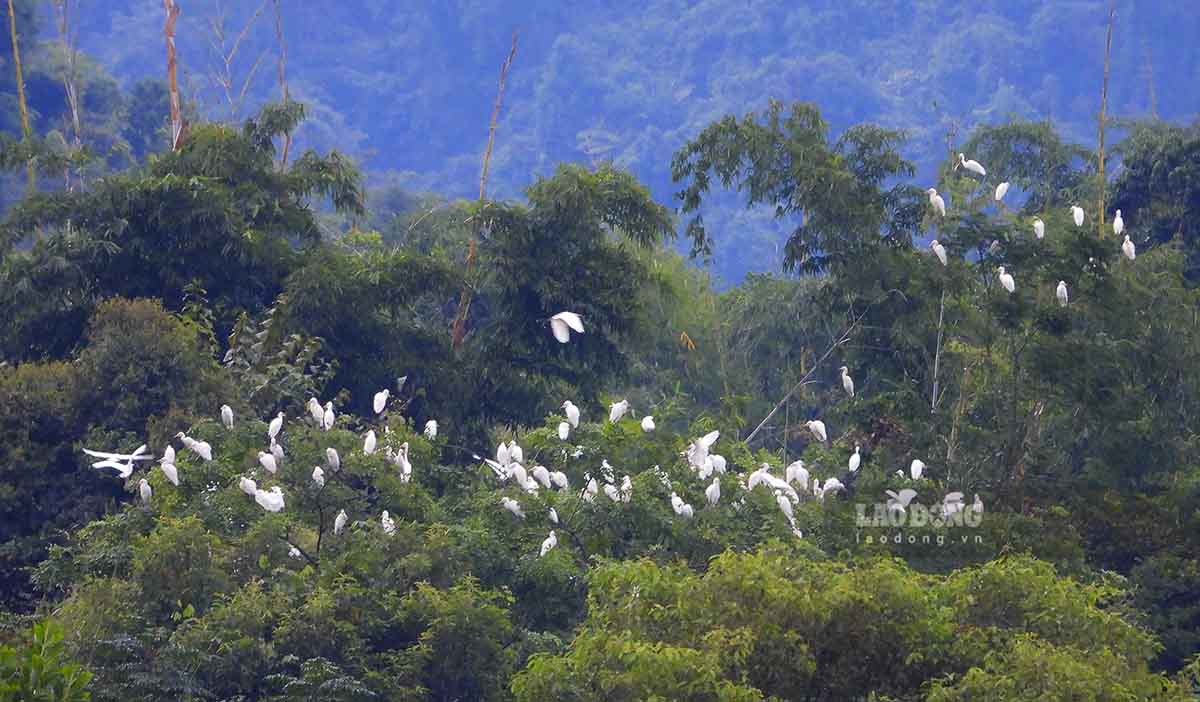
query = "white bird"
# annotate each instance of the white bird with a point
(388, 524)
(328, 417)
(318, 476)
(553, 516)
(563, 323)
(502, 455)
(550, 542)
(977, 506)
(542, 475)
(647, 424)
(315, 410)
(916, 469)
(1039, 228)
(971, 165)
(202, 449)
(952, 503)
(817, 427)
(1129, 249)
(512, 506)
(712, 493)
(339, 522)
(831, 485)
(1118, 224)
(333, 459)
(171, 472)
(277, 452)
(270, 500)
(267, 461)
(369, 442)
(227, 416)
(380, 400)
(431, 428)
(515, 450)
(939, 251)
(847, 381)
(564, 430)
(294, 552)
(1061, 293)
(559, 479)
(169, 455)
(613, 493)
(796, 473)
(1006, 280)
(855, 459)
(1001, 191)
(618, 410)
(248, 486)
(122, 462)
(403, 463)
(899, 501)
(1077, 214)
(274, 427)
(939, 205)
(590, 490)
(718, 462)
(145, 491)
(572, 412)
(785, 506)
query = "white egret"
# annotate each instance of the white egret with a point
(550, 542)
(613, 493)
(247, 486)
(145, 491)
(785, 506)
(277, 452)
(203, 449)
(403, 463)
(899, 501)
(916, 469)
(431, 428)
(1006, 280)
(952, 504)
(274, 427)
(564, 430)
(718, 462)
(1077, 215)
(294, 552)
(553, 516)
(121, 462)
(315, 410)
(563, 323)
(388, 524)
(318, 476)
(796, 473)
(939, 251)
(502, 455)
(227, 416)
(1129, 249)
(328, 417)
(169, 455)
(1001, 191)
(590, 490)
(171, 472)
(817, 427)
(333, 459)
(542, 475)
(971, 165)
(270, 500)
(1061, 293)
(559, 479)
(618, 410)
(369, 442)
(1039, 227)
(847, 381)
(647, 424)
(572, 412)
(339, 522)
(267, 461)
(515, 450)
(513, 506)
(832, 485)
(855, 459)
(977, 506)
(712, 493)
(1118, 224)
(380, 400)
(939, 205)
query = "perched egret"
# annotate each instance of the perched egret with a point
(403, 463)
(618, 410)
(542, 475)
(847, 381)
(294, 552)
(1129, 249)
(502, 455)
(328, 417)
(1001, 191)
(171, 472)
(916, 469)
(380, 400)
(270, 500)
(817, 427)
(939, 251)
(388, 524)
(718, 462)
(512, 506)
(1039, 228)
(785, 506)
(952, 504)
(553, 516)
(318, 476)
(1118, 224)
(935, 200)
(369, 442)
(564, 430)
(971, 165)
(315, 410)
(274, 427)
(169, 455)
(1077, 215)
(832, 485)
(248, 486)
(145, 491)
(647, 424)
(515, 450)
(431, 429)
(572, 412)
(563, 323)
(559, 479)
(550, 542)
(277, 452)
(267, 461)
(590, 490)
(899, 501)
(227, 416)
(855, 459)
(339, 522)
(796, 473)
(1006, 280)
(712, 493)
(977, 506)
(613, 493)
(333, 459)
(1061, 293)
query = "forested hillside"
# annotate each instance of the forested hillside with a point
(270, 430)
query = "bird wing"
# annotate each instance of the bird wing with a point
(572, 320)
(560, 329)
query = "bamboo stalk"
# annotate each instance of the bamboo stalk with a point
(172, 11)
(283, 86)
(26, 130)
(1112, 10)
(70, 73)
(937, 354)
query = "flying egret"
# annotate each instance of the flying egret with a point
(1001, 191)
(1077, 214)
(1039, 227)
(939, 205)
(227, 416)
(712, 493)
(553, 516)
(855, 459)
(270, 500)
(564, 430)
(318, 476)
(328, 417)
(380, 400)
(563, 323)
(1129, 249)
(899, 501)
(431, 428)
(247, 486)
(1118, 224)
(916, 469)
(145, 491)
(817, 427)
(572, 412)
(550, 542)
(369, 442)
(122, 462)
(847, 381)
(388, 524)
(171, 472)
(971, 165)
(274, 427)
(513, 506)
(939, 251)
(647, 424)
(1061, 293)
(1006, 280)
(339, 522)
(333, 459)
(618, 410)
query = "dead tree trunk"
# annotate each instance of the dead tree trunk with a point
(26, 130)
